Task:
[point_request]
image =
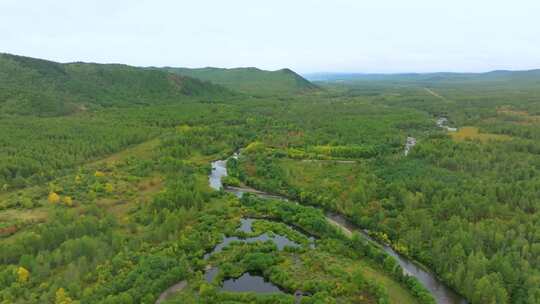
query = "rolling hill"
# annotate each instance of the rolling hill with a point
(46, 88)
(251, 80)
(502, 76)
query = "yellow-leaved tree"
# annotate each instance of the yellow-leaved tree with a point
(255, 147)
(62, 297)
(22, 275)
(99, 174)
(183, 129)
(67, 200)
(53, 198)
(109, 188)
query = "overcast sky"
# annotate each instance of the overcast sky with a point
(305, 35)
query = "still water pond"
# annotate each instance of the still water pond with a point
(245, 283)
(250, 283)
(245, 226)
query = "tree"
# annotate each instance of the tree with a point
(358, 279)
(207, 292)
(53, 198)
(62, 297)
(390, 264)
(254, 147)
(109, 188)
(22, 275)
(68, 201)
(489, 290)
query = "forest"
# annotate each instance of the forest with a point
(105, 195)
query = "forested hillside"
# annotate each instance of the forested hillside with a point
(251, 80)
(502, 77)
(45, 88)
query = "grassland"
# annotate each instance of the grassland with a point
(473, 133)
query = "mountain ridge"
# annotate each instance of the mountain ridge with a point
(331, 76)
(47, 88)
(250, 80)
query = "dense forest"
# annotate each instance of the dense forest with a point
(44, 88)
(105, 197)
(464, 203)
(251, 80)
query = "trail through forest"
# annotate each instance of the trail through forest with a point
(433, 93)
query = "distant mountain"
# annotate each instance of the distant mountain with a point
(251, 80)
(500, 75)
(46, 88)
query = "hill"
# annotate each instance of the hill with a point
(501, 76)
(251, 80)
(46, 88)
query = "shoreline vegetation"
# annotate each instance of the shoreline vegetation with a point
(338, 220)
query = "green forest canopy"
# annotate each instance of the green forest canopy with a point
(103, 175)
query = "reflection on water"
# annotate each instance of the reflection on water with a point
(250, 283)
(245, 283)
(210, 274)
(245, 226)
(280, 241)
(219, 170)
(226, 241)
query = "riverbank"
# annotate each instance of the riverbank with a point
(442, 293)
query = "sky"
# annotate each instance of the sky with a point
(382, 36)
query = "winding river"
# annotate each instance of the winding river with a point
(442, 293)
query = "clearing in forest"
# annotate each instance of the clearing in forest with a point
(517, 116)
(471, 133)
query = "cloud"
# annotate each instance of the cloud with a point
(308, 36)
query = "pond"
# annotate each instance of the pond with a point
(245, 226)
(250, 283)
(245, 283)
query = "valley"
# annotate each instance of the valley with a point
(123, 184)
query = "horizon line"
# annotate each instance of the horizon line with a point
(278, 69)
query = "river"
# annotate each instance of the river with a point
(442, 293)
